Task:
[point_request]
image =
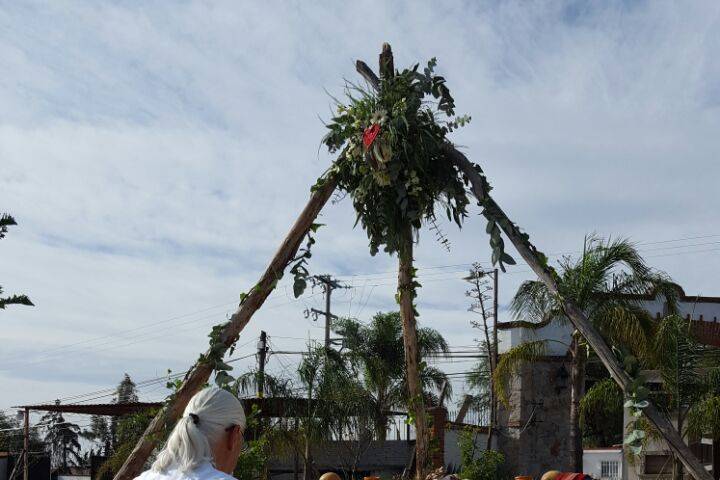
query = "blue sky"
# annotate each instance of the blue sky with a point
(154, 155)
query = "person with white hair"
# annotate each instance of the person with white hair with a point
(205, 443)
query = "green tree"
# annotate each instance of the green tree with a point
(126, 392)
(62, 439)
(12, 435)
(100, 433)
(690, 372)
(6, 221)
(337, 404)
(606, 282)
(480, 379)
(601, 414)
(478, 464)
(128, 430)
(376, 350)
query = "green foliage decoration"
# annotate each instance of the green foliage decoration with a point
(299, 269)
(636, 395)
(393, 162)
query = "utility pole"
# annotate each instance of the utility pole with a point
(494, 353)
(262, 355)
(26, 446)
(495, 315)
(328, 284)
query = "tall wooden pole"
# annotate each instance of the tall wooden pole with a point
(407, 313)
(199, 374)
(26, 445)
(547, 275)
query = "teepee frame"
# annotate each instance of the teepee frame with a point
(199, 374)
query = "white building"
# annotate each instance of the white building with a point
(603, 463)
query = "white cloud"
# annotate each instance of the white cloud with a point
(154, 157)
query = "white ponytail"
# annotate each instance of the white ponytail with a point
(208, 414)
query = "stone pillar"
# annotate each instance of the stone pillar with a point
(535, 428)
(438, 416)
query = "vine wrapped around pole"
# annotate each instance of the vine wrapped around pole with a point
(497, 222)
(228, 335)
(538, 262)
(416, 404)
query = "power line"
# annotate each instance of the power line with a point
(140, 338)
(355, 276)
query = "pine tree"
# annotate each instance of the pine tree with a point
(62, 439)
(126, 392)
(100, 433)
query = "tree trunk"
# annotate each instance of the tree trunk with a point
(716, 458)
(548, 276)
(416, 401)
(307, 464)
(677, 464)
(200, 372)
(577, 391)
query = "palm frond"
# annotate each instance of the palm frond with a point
(704, 417)
(606, 256)
(6, 221)
(430, 341)
(627, 324)
(603, 398)
(16, 300)
(533, 302)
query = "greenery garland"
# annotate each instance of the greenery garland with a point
(394, 164)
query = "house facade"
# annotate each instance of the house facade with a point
(535, 426)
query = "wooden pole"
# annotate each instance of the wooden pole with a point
(26, 445)
(200, 372)
(328, 315)
(407, 313)
(495, 357)
(547, 275)
(716, 458)
(262, 355)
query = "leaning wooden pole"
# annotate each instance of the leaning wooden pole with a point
(412, 356)
(547, 275)
(201, 371)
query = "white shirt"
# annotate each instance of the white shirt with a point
(204, 471)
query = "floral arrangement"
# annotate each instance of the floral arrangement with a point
(393, 163)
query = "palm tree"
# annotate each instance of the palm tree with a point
(606, 282)
(601, 413)
(272, 385)
(376, 349)
(690, 373)
(337, 406)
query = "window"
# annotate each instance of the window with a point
(609, 469)
(658, 463)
